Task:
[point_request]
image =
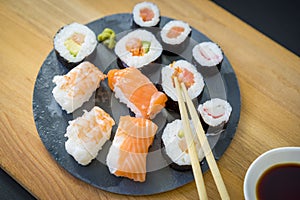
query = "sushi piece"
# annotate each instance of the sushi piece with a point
(138, 48)
(77, 86)
(129, 149)
(135, 90)
(186, 73)
(208, 54)
(73, 43)
(87, 134)
(175, 148)
(175, 36)
(146, 14)
(215, 113)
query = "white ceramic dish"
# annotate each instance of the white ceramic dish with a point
(264, 162)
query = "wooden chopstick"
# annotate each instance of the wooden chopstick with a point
(205, 146)
(191, 145)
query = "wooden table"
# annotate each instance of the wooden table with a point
(268, 75)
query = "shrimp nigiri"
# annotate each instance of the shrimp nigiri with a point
(87, 134)
(77, 86)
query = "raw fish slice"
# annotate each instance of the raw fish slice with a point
(127, 80)
(87, 134)
(137, 127)
(77, 86)
(128, 153)
(137, 92)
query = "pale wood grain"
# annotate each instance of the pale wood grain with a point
(268, 75)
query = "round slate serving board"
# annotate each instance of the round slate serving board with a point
(51, 121)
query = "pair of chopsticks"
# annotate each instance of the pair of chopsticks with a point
(204, 144)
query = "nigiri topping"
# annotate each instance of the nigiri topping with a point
(146, 14)
(128, 152)
(135, 90)
(137, 47)
(175, 31)
(77, 86)
(90, 127)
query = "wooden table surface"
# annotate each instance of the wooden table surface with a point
(268, 75)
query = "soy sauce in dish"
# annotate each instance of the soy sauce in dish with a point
(280, 181)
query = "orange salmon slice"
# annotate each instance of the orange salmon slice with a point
(137, 135)
(139, 90)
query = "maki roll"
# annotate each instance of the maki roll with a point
(175, 149)
(77, 86)
(87, 134)
(215, 113)
(137, 49)
(187, 74)
(146, 14)
(208, 54)
(174, 36)
(73, 43)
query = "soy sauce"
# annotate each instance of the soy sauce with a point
(281, 181)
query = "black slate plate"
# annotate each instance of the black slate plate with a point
(51, 121)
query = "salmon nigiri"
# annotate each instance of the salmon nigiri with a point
(128, 152)
(136, 91)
